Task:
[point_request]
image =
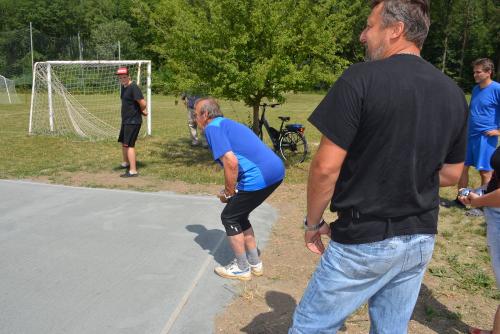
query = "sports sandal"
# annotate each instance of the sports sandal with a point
(474, 213)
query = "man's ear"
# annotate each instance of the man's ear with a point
(397, 29)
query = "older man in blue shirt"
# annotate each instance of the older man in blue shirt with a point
(252, 171)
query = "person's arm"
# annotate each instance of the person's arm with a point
(491, 199)
(230, 163)
(449, 175)
(142, 106)
(491, 133)
(323, 175)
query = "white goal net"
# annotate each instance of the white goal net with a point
(82, 98)
(7, 91)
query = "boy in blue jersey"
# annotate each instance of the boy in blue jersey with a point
(484, 123)
(251, 173)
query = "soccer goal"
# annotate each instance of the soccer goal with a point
(82, 98)
(7, 91)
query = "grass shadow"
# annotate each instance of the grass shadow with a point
(434, 315)
(180, 152)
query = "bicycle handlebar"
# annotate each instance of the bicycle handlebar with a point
(272, 105)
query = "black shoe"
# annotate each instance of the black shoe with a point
(128, 174)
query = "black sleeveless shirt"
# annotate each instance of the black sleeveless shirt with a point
(495, 163)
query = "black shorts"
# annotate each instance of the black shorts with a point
(235, 215)
(128, 134)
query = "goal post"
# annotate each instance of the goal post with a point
(82, 98)
(8, 93)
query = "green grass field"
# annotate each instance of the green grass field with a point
(166, 154)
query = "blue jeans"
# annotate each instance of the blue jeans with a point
(493, 235)
(387, 274)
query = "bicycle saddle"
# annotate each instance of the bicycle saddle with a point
(284, 118)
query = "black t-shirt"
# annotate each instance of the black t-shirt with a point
(495, 163)
(131, 111)
(399, 119)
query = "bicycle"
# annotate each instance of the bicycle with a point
(289, 141)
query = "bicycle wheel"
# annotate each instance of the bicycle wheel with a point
(293, 147)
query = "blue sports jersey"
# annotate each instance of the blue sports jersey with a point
(484, 109)
(258, 166)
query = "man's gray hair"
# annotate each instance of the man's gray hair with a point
(413, 13)
(210, 107)
(486, 65)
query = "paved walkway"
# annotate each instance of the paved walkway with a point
(81, 260)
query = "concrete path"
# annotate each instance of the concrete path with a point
(80, 260)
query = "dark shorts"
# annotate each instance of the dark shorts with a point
(128, 134)
(235, 214)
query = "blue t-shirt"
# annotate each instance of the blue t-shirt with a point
(484, 109)
(258, 166)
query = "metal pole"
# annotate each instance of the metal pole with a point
(30, 128)
(138, 80)
(119, 51)
(7, 89)
(79, 47)
(31, 45)
(49, 91)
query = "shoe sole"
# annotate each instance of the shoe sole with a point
(241, 278)
(257, 272)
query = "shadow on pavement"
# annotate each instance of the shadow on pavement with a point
(278, 320)
(436, 316)
(209, 239)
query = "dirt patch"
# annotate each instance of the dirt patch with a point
(266, 304)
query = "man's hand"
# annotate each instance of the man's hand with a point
(492, 133)
(313, 239)
(221, 196)
(466, 200)
(144, 112)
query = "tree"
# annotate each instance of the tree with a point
(461, 31)
(105, 37)
(249, 50)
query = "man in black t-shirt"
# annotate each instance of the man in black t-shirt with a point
(133, 107)
(393, 131)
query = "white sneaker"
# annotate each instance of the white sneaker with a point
(234, 272)
(257, 269)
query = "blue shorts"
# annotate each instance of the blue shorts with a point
(479, 151)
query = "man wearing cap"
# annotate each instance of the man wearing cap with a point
(133, 107)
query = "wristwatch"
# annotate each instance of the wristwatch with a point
(313, 227)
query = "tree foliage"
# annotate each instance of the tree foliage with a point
(250, 50)
(462, 31)
(240, 49)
